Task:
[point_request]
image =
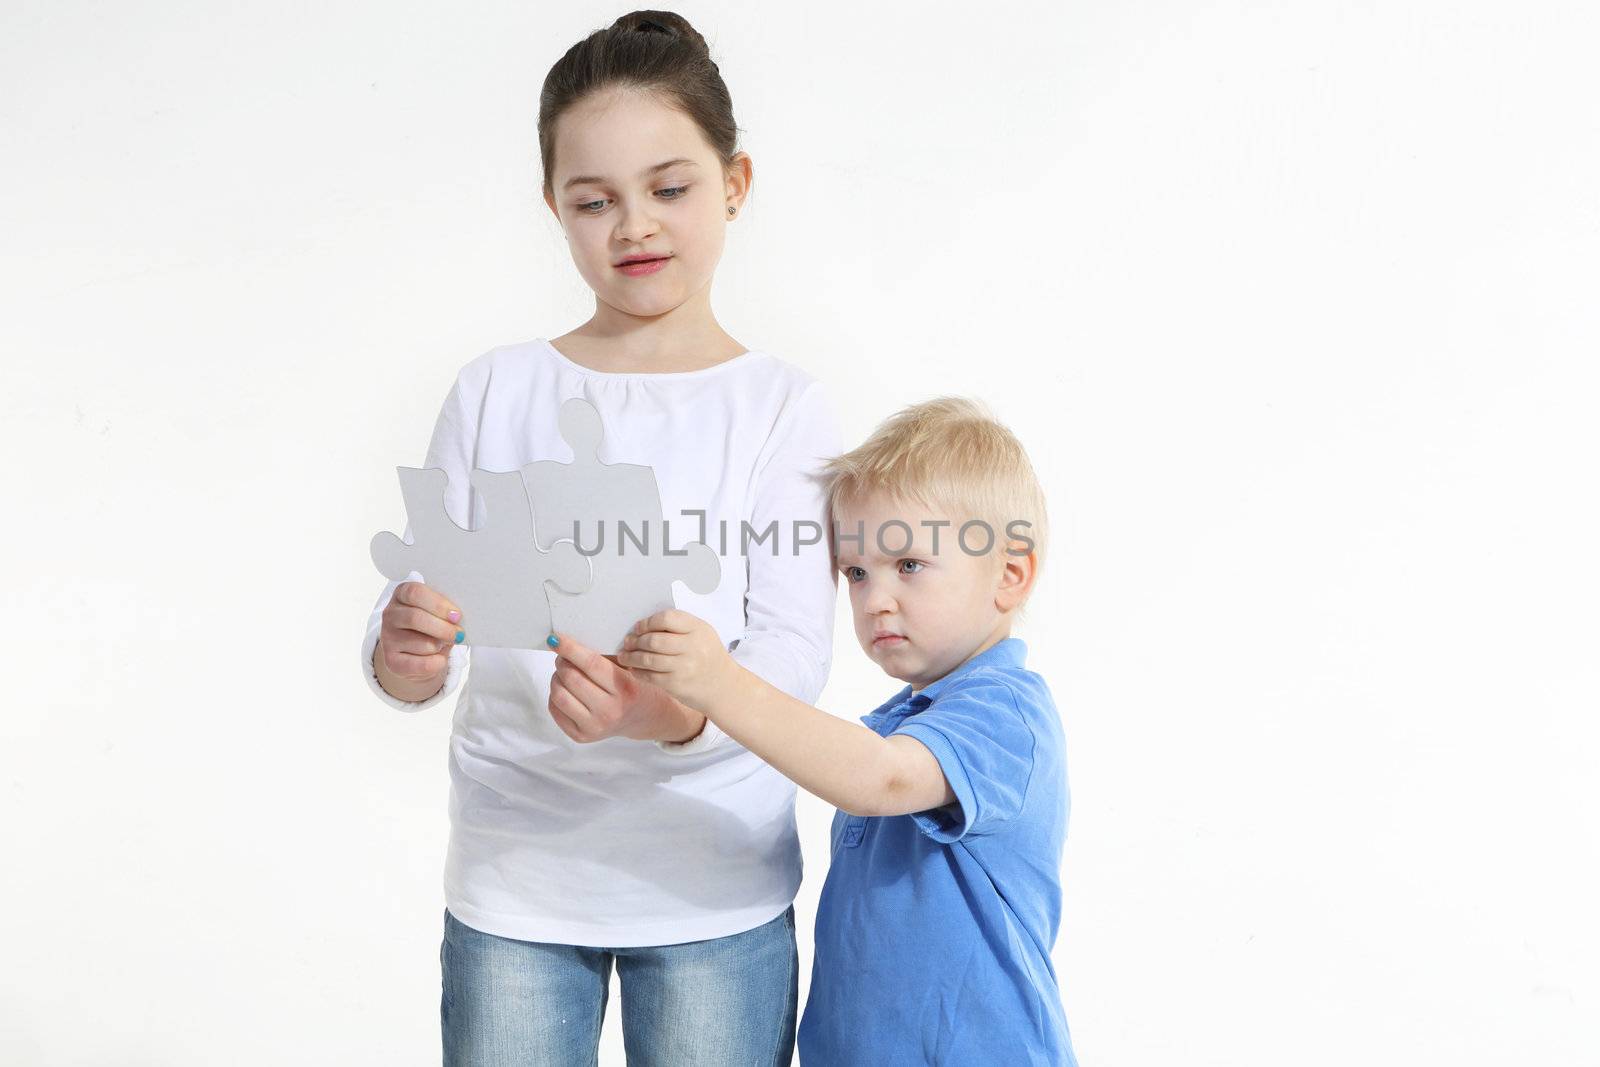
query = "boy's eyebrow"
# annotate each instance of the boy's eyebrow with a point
(846, 558)
(591, 179)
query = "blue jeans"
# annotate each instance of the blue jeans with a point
(726, 1002)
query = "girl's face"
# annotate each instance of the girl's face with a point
(634, 177)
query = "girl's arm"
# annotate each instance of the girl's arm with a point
(450, 448)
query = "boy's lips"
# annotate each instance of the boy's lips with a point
(887, 640)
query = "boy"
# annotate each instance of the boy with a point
(943, 897)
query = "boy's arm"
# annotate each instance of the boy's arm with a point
(844, 763)
(789, 594)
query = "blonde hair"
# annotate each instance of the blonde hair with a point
(949, 454)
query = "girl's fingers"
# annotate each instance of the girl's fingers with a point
(585, 659)
(427, 599)
(430, 625)
(582, 687)
(566, 725)
(567, 706)
(413, 658)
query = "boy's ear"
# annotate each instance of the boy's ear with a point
(1015, 580)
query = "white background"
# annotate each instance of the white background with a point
(1294, 306)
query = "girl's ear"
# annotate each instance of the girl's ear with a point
(738, 177)
(550, 201)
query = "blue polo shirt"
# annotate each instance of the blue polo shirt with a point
(934, 929)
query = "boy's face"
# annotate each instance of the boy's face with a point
(919, 614)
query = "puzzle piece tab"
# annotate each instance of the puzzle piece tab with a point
(597, 500)
(497, 575)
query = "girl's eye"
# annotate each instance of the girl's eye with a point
(914, 563)
(588, 207)
(850, 573)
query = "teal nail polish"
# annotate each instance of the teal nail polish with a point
(461, 635)
(553, 641)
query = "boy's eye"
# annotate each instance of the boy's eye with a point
(850, 572)
(588, 206)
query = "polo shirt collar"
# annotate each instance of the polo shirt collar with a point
(1010, 652)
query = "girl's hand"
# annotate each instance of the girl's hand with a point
(592, 698)
(419, 628)
(680, 653)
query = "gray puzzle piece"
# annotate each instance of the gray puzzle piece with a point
(497, 574)
(598, 497)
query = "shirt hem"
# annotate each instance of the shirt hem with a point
(607, 935)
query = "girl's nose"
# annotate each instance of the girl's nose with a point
(635, 224)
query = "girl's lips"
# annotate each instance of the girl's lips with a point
(643, 266)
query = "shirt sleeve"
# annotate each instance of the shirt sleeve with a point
(985, 747)
(790, 594)
(451, 448)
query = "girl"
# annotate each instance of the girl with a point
(603, 821)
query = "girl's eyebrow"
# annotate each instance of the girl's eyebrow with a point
(591, 179)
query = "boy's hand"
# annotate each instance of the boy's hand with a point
(592, 698)
(680, 653)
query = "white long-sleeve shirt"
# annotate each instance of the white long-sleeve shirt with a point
(622, 842)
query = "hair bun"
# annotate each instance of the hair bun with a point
(668, 24)
(654, 51)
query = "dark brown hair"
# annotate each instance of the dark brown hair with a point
(653, 50)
